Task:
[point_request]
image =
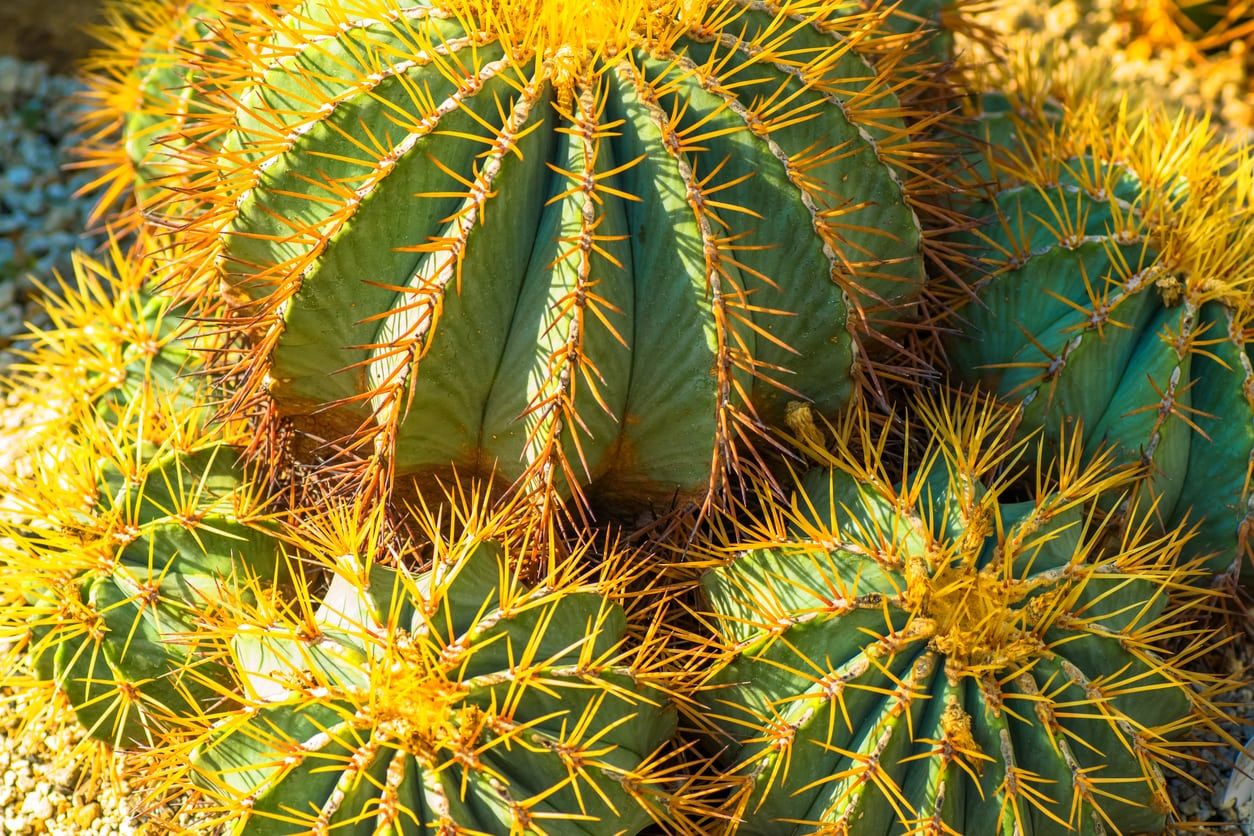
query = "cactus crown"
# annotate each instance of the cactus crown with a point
(904, 635)
(970, 563)
(573, 40)
(1169, 185)
(1112, 290)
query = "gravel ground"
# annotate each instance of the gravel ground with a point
(1145, 64)
(40, 219)
(44, 787)
(1220, 791)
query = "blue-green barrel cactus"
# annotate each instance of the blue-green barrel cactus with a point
(1109, 289)
(592, 249)
(125, 515)
(952, 645)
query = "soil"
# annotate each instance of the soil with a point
(51, 31)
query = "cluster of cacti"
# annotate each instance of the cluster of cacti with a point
(431, 298)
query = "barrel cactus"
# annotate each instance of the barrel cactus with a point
(124, 514)
(144, 85)
(1111, 291)
(143, 523)
(592, 249)
(927, 646)
(452, 699)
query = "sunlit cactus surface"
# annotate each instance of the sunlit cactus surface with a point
(129, 517)
(933, 646)
(594, 249)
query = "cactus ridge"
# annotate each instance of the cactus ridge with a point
(662, 162)
(924, 653)
(1113, 294)
(108, 341)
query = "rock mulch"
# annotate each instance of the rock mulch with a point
(41, 220)
(43, 789)
(1217, 794)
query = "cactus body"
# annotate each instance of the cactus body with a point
(1112, 294)
(123, 521)
(115, 587)
(454, 700)
(930, 656)
(122, 642)
(561, 243)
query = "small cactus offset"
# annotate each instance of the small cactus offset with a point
(454, 699)
(108, 343)
(925, 648)
(1111, 293)
(594, 249)
(115, 602)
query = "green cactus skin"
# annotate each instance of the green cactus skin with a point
(1114, 297)
(121, 643)
(447, 701)
(930, 657)
(452, 253)
(123, 522)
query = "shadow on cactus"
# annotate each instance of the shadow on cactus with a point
(958, 645)
(1112, 294)
(583, 247)
(455, 698)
